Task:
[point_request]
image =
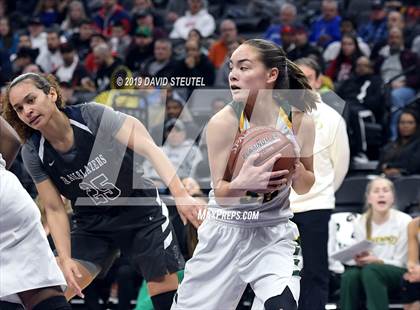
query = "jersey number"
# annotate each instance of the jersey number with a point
(100, 190)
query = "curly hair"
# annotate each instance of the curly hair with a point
(43, 82)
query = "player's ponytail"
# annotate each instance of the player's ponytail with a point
(42, 82)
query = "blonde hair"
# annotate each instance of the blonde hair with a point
(368, 207)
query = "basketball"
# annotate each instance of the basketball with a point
(266, 141)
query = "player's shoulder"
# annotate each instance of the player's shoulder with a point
(223, 126)
(224, 119)
(32, 143)
(89, 107)
(328, 112)
(401, 217)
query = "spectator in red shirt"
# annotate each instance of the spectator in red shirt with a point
(219, 49)
(110, 13)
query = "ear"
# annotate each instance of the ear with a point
(53, 94)
(273, 74)
(318, 82)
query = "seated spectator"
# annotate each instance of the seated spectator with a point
(399, 67)
(396, 19)
(34, 68)
(95, 40)
(175, 109)
(146, 18)
(287, 17)
(110, 13)
(375, 30)
(161, 64)
(377, 272)
(182, 152)
(411, 284)
(37, 34)
(50, 59)
(346, 27)
(194, 34)
(81, 39)
(48, 12)
(24, 40)
(303, 48)
(8, 39)
(219, 50)
(402, 156)
(196, 64)
(24, 57)
(344, 64)
(72, 70)
(119, 40)
(326, 28)
(361, 92)
(108, 68)
(287, 35)
(364, 88)
(196, 17)
(140, 6)
(67, 92)
(140, 49)
(174, 10)
(75, 16)
(222, 74)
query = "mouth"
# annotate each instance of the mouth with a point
(381, 202)
(34, 120)
(234, 87)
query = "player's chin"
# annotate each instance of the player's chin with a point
(239, 96)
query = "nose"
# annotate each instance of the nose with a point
(233, 76)
(27, 110)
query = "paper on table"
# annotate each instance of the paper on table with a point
(350, 252)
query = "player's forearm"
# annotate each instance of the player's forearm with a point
(58, 223)
(166, 171)
(303, 181)
(413, 247)
(228, 193)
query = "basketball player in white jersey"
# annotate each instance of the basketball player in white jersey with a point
(233, 250)
(29, 272)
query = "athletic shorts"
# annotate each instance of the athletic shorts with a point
(228, 257)
(143, 234)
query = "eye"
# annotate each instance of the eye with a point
(31, 100)
(244, 68)
(18, 109)
(230, 67)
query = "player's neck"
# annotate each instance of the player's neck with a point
(58, 131)
(263, 112)
(380, 217)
